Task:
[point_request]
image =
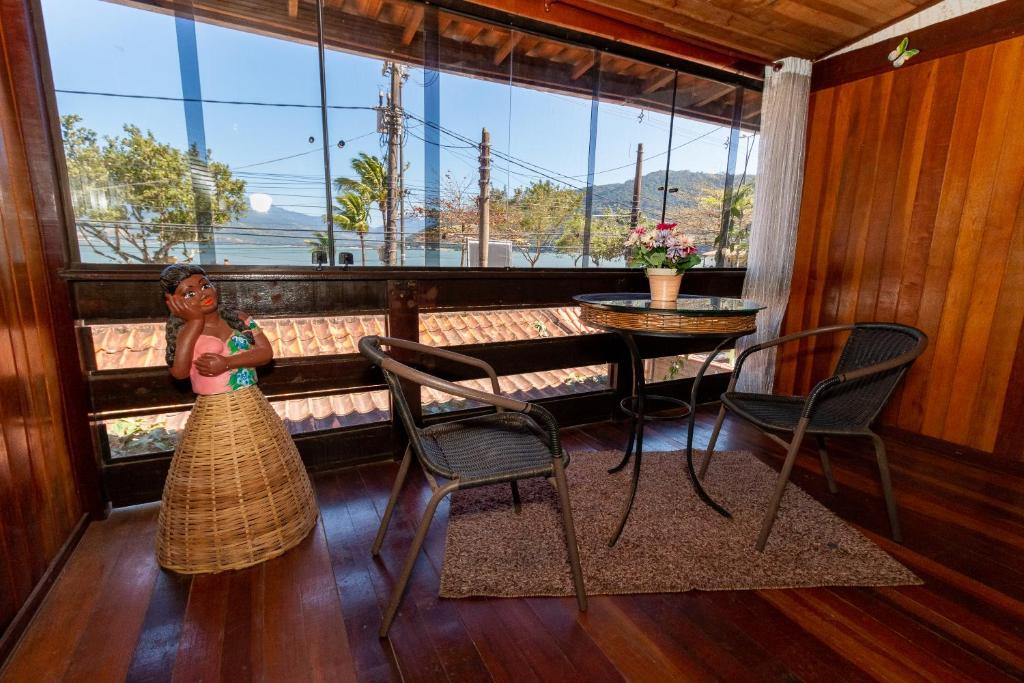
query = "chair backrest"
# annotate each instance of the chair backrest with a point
(860, 401)
(369, 347)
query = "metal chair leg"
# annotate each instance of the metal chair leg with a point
(403, 470)
(410, 559)
(780, 484)
(890, 501)
(517, 502)
(711, 443)
(570, 535)
(826, 466)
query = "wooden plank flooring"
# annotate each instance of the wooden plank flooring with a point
(313, 614)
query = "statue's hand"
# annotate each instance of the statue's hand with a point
(186, 309)
(211, 364)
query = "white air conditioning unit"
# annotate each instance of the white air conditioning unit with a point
(499, 254)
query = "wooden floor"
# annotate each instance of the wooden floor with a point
(313, 614)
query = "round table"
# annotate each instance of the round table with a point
(688, 317)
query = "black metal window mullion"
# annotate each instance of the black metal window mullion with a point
(321, 60)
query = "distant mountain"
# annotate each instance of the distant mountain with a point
(689, 184)
(275, 227)
(282, 227)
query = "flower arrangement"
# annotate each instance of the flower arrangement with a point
(663, 246)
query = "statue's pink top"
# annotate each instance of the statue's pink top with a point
(232, 380)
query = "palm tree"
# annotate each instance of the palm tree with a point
(352, 213)
(370, 183)
(320, 242)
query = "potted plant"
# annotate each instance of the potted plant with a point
(666, 253)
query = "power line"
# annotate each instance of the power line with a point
(246, 103)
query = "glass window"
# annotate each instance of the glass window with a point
(481, 327)
(528, 386)
(141, 345)
(187, 140)
(133, 436)
(194, 136)
(631, 142)
(668, 368)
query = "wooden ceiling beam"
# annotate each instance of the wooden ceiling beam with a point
(379, 39)
(505, 49)
(698, 19)
(715, 94)
(637, 30)
(583, 66)
(293, 8)
(658, 82)
(412, 24)
(369, 8)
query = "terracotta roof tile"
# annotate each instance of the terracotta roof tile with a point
(142, 344)
(346, 410)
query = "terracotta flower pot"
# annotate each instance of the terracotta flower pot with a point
(664, 284)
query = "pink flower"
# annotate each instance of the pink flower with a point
(666, 226)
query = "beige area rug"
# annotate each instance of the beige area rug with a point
(672, 542)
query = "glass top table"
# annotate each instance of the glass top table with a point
(689, 316)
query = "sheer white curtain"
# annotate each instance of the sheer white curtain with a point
(780, 178)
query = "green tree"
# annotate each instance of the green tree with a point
(607, 235)
(352, 214)
(370, 183)
(134, 195)
(544, 212)
(320, 242)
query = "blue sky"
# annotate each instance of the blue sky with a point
(112, 48)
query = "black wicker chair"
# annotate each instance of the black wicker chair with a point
(519, 441)
(874, 359)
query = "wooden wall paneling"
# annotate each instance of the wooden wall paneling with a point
(998, 22)
(48, 477)
(912, 212)
(962, 142)
(28, 67)
(880, 208)
(1010, 437)
(1002, 374)
(960, 298)
(867, 182)
(816, 267)
(997, 225)
(907, 403)
(914, 92)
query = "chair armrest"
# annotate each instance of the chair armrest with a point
(824, 385)
(422, 378)
(446, 354)
(550, 425)
(778, 342)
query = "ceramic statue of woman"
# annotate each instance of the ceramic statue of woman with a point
(237, 493)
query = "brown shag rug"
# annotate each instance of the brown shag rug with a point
(672, 541)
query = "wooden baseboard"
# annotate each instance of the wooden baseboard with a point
(9, 639)
(991, 461)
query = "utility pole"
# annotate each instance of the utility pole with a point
(730, 175)
(394, 132)
(638, 179)
(485, 196)
(401, 205)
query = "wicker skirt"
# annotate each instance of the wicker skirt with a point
(237, 493)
